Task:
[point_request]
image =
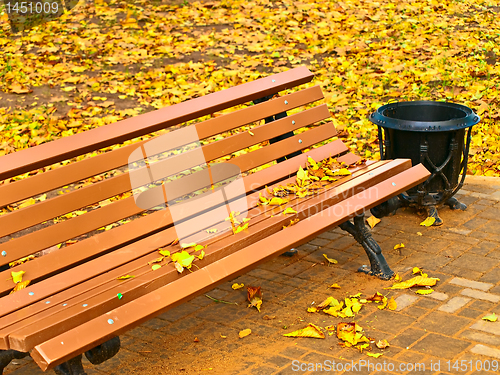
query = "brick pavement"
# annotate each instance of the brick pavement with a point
(432, 329)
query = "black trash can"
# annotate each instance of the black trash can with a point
(436, 134)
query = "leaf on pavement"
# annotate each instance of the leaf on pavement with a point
(490, 318)
(399, 246)
(311, 330)
(428, 222)
(237, 286)
(382, 344)
(424, 291)
(254, 296)
(245, 333)
(372, 221)
(330, 260)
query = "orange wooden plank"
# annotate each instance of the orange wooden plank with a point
(65, 148)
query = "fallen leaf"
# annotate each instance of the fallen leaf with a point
(419, 233)
(178, 267)
(199, 247)
(165, 253)
(183, 258)
(330, 301)
(223, 336)
(372, 221)
(254, 296)
(424, 291)
(382, 344)
(416, 270)
(334, 286)
(125, 277)
(397, 277)
(237, 286)
(267, 317)
(17, 277)
(428, 222)
(155, 267)
(490, 318)
(24, 284)
(213, 230)
(289, 210)
(351, 333)
(196, 339)
(245, 333)
(249, 132)
(312, 309)
(330, 260)
(416, 281)
(27, 203)
(311, 330)
(392, 304)
(21, 261)
(374, 355)
(399, 246)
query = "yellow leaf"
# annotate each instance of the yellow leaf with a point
(277, 201)
(311, 160)
(213, 230)
(17, 277)
(42, 197)
(372, 221)
(186, 245)
(27, 203)
(20, 285)
(178, 267)
(416, 281)
(392, 304)
(330, 260)
(397, 277)
(424, 291)
(202, 255)
(342, 172)
(254, 296)
(237, 286)
(416, 270)
(198, 247)
(334, 286)
(399, 246)
(289, 210)
(165, 253)
(312, 309)
(418, 233)
(330, 301)
(311, 330)
(374, 355)
(361, 347)
(183, 258)
(490, 318)
(155, 267)
(428, 222)
(223, 336)
(384, 303)
(125, 277)
(382, 344)
(357, 295)
(301, 174)
(348, 312)
(249, 132)
(334, 310)
(245, 333)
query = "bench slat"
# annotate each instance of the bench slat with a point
(72, 315)
(73, 172)
(52, 235)
(51, 208)
(94, 332)
(127, 233)
(68, 147)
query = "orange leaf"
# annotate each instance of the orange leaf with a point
(245, 333)
(311, 330)
(254, 295)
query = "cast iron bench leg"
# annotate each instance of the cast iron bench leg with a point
(8, 355)
(361, 233)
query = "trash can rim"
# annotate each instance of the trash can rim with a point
(379, 118)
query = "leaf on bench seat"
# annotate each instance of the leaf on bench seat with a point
(289, 210)
(126, 277)
(20, 285)
(17, 277)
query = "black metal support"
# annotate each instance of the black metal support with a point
(361, 233)
(454, 204)
(72, 367)
(6, 356)
(104, 351)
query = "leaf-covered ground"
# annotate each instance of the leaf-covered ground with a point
(105, 61)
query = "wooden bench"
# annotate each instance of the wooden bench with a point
(76, 302)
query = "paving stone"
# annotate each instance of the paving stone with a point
(471, 313)
(416, 312)
(342, 243)
(441, 322)
(440, 346)
(463, 232)
(293, 352)
(427, 303)
(474, 223)
(179, 312)
(495, 254)
(474, 262)
(405, 300)
(454, 270)
(330, 235)
(388, 321)
(490, 214)
(320, 242)
(492, 276)
(278, 360)
(482, 337)
(296, 268)
(481, 295)
(317, 256)
(447, 288)
(454, 304)
(471, 284)
(488, 327)
(437, 295)
(486, 350)
(263, 370)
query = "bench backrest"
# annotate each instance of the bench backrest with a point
(88, 208)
